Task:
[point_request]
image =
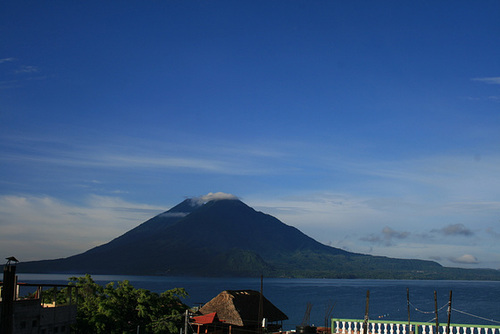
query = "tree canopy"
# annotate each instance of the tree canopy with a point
(120, 308)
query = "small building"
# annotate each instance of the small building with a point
(207, 323)
(23, 315)
(238, 311)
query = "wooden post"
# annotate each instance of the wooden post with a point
(436, 311)
(408, 304)
(365, 322)
(261, 305)
(449, 315)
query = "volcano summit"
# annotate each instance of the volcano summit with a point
(222, 236)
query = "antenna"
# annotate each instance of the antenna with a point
(328, 312)
(307, 315)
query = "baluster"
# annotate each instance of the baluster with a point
(349, 331)
(403, 329)
(385, 328)
(373, 327)
(337, 323)
(397, 328)
(379, 328)
(392, 328)
(431, 329)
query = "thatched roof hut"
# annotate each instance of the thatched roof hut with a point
(241, 308)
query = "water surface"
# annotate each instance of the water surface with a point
(473, 302)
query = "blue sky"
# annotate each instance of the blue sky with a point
(372, 126)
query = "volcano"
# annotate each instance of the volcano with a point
(226, 237)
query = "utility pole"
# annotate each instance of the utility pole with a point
(365, 322)
(408, 303)
(261, 305)
(436, 310)
(449, 315)
(186, 322)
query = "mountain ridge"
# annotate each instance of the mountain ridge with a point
(226, 237)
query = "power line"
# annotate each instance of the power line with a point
(429, 312)
(475, 316)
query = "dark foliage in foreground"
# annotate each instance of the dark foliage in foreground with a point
(120, 308)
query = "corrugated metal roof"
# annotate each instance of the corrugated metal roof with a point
(205, 319)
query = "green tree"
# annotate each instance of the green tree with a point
(120, 308)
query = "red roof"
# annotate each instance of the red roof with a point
(205, 319)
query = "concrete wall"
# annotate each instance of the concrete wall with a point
(30, 317)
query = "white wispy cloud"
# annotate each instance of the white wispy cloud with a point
(138, 154)
(464, 259)
(213, 197)
(489, 80)
(42, 227)
(27, 69)
(7, 60)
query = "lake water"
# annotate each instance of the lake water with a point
(473, 302)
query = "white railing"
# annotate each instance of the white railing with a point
(353, 326)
